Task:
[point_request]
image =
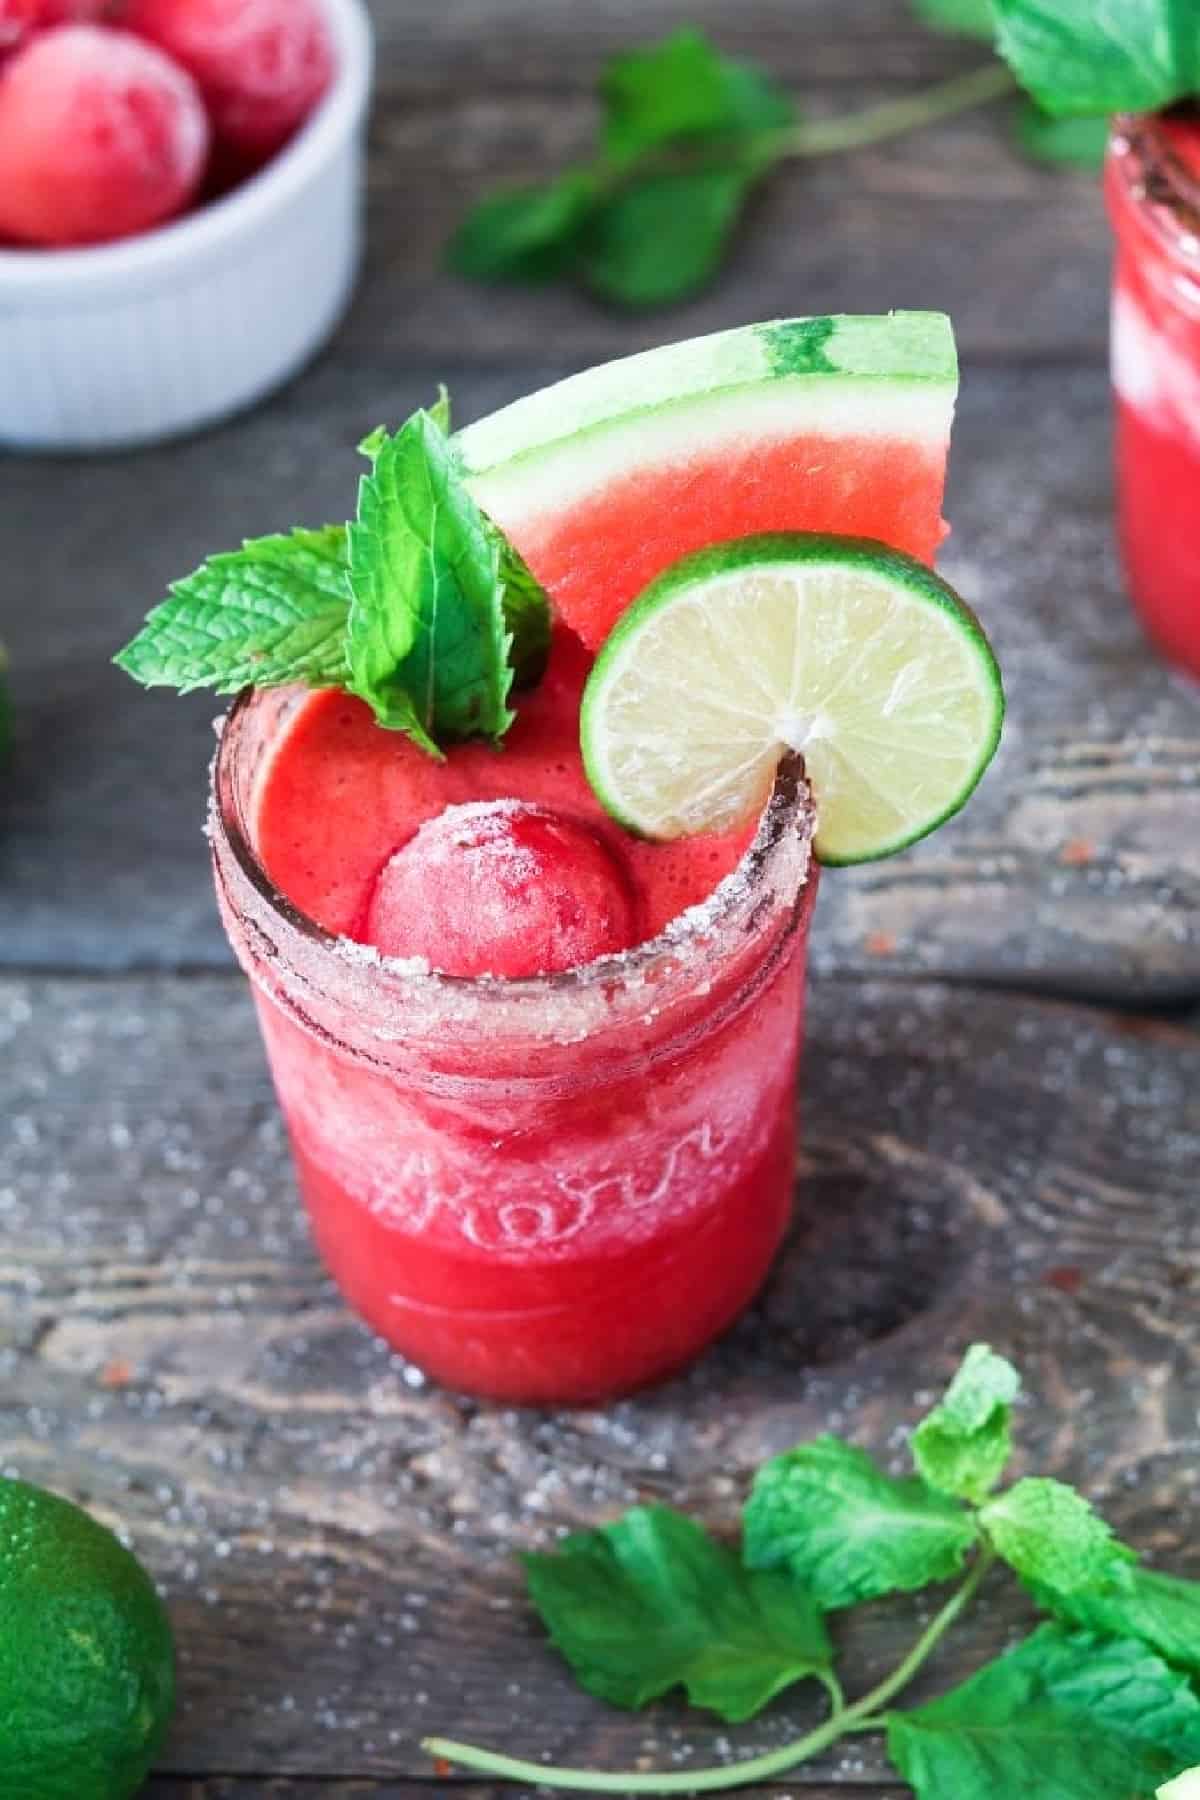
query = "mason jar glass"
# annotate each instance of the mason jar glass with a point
(553, 1189)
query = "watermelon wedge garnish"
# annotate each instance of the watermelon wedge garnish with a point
(829, 425)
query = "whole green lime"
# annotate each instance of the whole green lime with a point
(87, 1666)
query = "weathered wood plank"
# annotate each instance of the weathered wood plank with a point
(526, 46)
(479, 94)
(1076, 865)
(335, 1536)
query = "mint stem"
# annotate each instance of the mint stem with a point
(824, 137)
(875, 124)
(755, 1768)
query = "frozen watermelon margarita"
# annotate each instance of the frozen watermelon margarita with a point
(516, 829)
(1153, 182)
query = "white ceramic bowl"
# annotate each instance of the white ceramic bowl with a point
(123, 343)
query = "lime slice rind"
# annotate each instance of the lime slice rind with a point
(855, 655)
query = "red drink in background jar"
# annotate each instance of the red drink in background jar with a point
(1153, 186)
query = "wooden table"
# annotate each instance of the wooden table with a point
(1002, 1114)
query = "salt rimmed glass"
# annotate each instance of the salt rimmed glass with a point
(552, 1189)
(1154, 204)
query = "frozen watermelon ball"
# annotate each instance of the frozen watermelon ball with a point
(101, 136)
(498, 887)
(262, 65)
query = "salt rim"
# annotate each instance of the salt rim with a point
(788, 815)
(1164, 192)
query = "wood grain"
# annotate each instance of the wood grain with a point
(335, 1536)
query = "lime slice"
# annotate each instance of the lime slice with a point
(857, 656)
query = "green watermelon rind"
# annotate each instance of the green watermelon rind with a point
(894, 373)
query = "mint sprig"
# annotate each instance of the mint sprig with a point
(683, 88)
(272, 612)
(1099, 1702)
(963, 1445)
(1161, 1610)
(426, 643)
(421, 607)
(1077, 57)
(1041, 136)
(686, 135)
(651, 1602)
(1072, 143)
(1065, 1714)
(1048, 1533)
(849, 1532)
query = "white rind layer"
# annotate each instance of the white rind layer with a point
(891, 376)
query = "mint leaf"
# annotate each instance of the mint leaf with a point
(651, 1603)
(270, 613)
(524, 234)
(962, 1446)
(664, 237)
(1162, 1610)
(1063, 1713)
(1075, 56)
(439, 412)
(415, 607)
(1051, 1535)
(848, 1531)
(526, 617)
(1078, 143)
(684, 88)
(982, 1384)
(428, 640)
(965, 18)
